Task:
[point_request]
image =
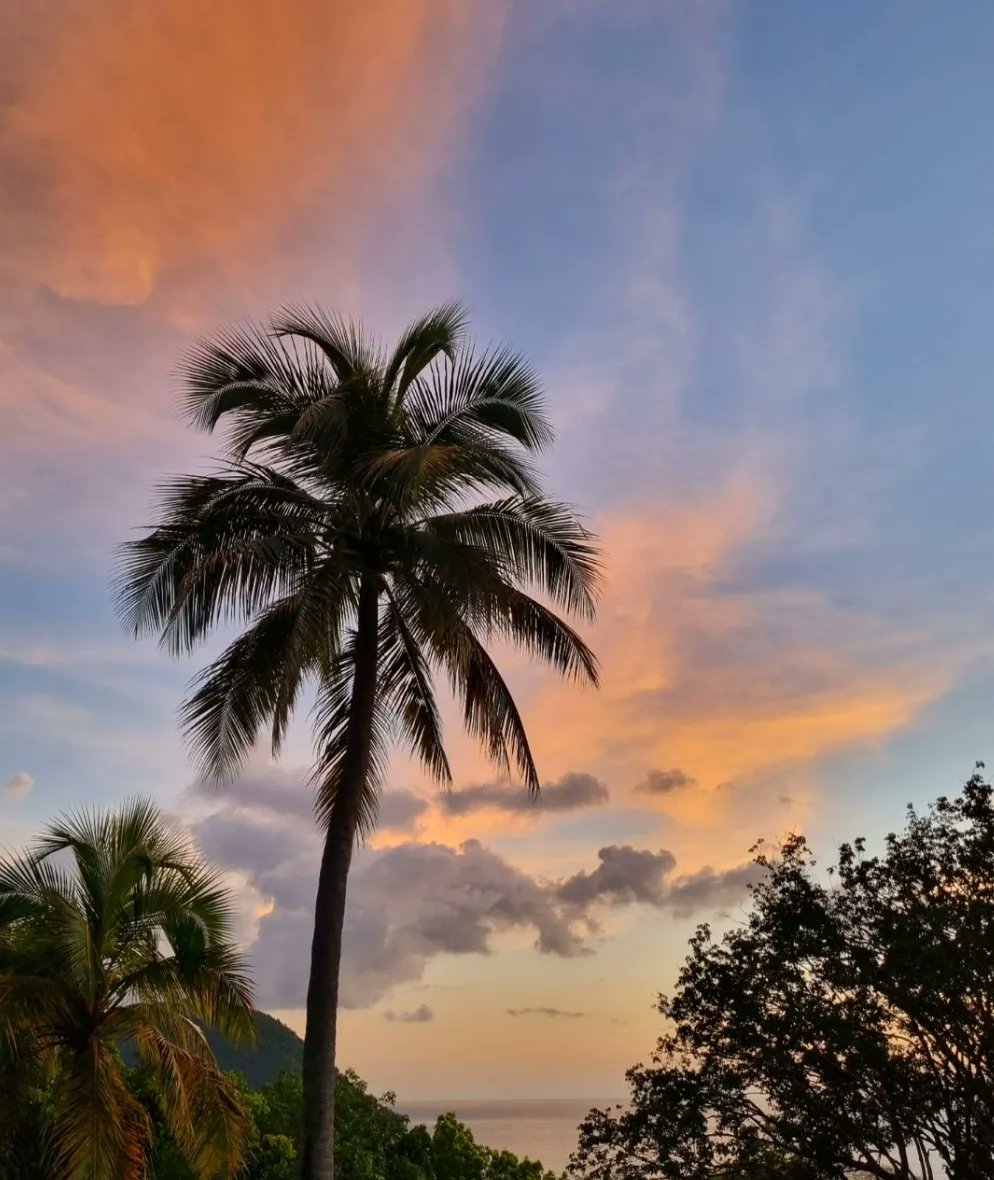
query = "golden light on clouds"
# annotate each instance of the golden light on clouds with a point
(729, 686)
(149, 136)
(737, 693)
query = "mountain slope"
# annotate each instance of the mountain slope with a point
(278, 1048)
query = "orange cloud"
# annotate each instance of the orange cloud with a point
(735, 687)
(172, 164)
(146, 136)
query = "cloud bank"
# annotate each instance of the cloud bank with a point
(412, 902)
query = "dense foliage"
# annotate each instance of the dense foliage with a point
(847, 1026)
(376, 522)
(111, 930)
(374, 1142)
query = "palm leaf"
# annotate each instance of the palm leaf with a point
(405, 682)
(541, 542)
(440, 332)
(496, 394)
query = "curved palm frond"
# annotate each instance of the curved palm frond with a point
(434, 475)
(227, 544)
(540, 542)
(344, 343)
(489, 710)
(405, 682)
(494, 394)
(438, 333)
(199, 1102)
(253, 681)
(332, 711)
(258, 677)
(528, 624)
(101, 1131)
(241, 370)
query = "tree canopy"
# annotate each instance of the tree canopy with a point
(847, 1026)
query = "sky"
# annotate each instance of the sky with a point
(750, 249)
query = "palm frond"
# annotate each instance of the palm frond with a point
(438, 333)
(530, 625)
(342, 341)
(541, 543)
(199, 1103)
(332, 712)
(405, 682)
(239, 369)
(250, 683)
(495, 394)
(225, 546)
(437, 475)
(101, 1131)
(489, 710)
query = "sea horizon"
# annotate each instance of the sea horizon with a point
(540, 1128)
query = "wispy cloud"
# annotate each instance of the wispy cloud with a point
(218, 127)
(245, 154)
(724, 681)
(550, 1013)
(19, 785)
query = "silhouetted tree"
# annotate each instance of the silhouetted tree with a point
(377, 520)
(847, 1026)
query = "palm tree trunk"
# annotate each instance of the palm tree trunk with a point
(318, 1160)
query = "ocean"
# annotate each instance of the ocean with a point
(540, 1128)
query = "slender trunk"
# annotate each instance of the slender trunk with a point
(318, 1159)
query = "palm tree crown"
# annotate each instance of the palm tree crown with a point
(346, 469)
(111, 931)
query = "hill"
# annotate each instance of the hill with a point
(278, 1048)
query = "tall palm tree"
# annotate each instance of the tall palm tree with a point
(376, 519)
(111, 931)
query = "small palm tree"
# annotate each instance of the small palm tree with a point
(111, 931)
(376, 520)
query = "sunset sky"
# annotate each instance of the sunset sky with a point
(750, 248)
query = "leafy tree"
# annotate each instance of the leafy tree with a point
(455, 1154)
(505, 1165)
(846, 1027)
(111, 930)
(376, 519)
